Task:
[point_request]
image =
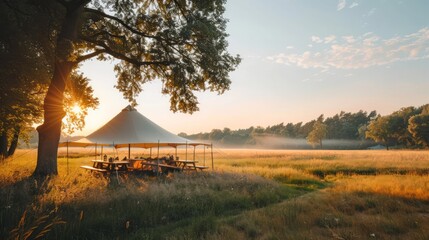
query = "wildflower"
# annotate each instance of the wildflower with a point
(372, 235)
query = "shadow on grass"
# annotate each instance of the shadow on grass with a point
(140, 206)
(19, 205)
(331, 215)
(184, 204)
(322, 173)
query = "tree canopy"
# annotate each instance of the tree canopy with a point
(317, 134)
(419, 129)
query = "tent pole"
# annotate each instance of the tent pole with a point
(67, 157)
(176, 153)
(194, 152)
(150, 155)
(157, 160)
(129, 151)
(186, 151)
(95, 156)
(212, 157)
(101, 154)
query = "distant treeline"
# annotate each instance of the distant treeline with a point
(344, 130)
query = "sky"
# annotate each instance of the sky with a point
(300, 59)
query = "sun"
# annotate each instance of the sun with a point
(76, 109)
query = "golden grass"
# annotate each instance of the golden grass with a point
(368, 195)
(405, 186)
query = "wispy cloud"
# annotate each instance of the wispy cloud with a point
(316, 39)
(354, 4)
(350, 52)
(341, 4)
(326, 40)
(330, 39)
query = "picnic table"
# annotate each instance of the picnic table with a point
(111, 165)
(189, 165)
(153, 164)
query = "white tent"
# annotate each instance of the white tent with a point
(131, 129)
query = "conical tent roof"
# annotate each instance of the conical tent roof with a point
(131, 128)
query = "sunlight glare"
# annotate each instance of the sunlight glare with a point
(76, 109)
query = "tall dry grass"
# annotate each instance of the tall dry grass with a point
(253, 194)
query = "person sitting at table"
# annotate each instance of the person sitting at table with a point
(170, 160)
(110, 159)
(117, 159)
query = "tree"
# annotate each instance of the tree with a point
(216, 135)
(419, 128)
(317, 134)
(379, 131)
(22, 109)
(180, 42)
(27, 60)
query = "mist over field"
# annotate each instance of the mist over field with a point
(294, 143)
(275, 142)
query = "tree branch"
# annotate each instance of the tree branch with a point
(120, 21)
(111, 52)
(90, 55)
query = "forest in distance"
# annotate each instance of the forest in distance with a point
(407, 127)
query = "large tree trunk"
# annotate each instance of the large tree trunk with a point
(50, 130)
(14, 142)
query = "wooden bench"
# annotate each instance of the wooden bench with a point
(170, 166)
(93, 169)
(201, 167)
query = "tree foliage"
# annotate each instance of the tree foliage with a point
(394, 129)
(317, 134)
(419, 129)
(380, 131)
(181, 43)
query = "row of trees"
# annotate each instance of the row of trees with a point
(407, 127)
(344, 125)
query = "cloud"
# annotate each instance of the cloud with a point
(316, 39)
(341, 5)
(356, 52)
(349, 39)
(354, 4)
(330, 38)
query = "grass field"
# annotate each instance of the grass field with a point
(252, 194)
